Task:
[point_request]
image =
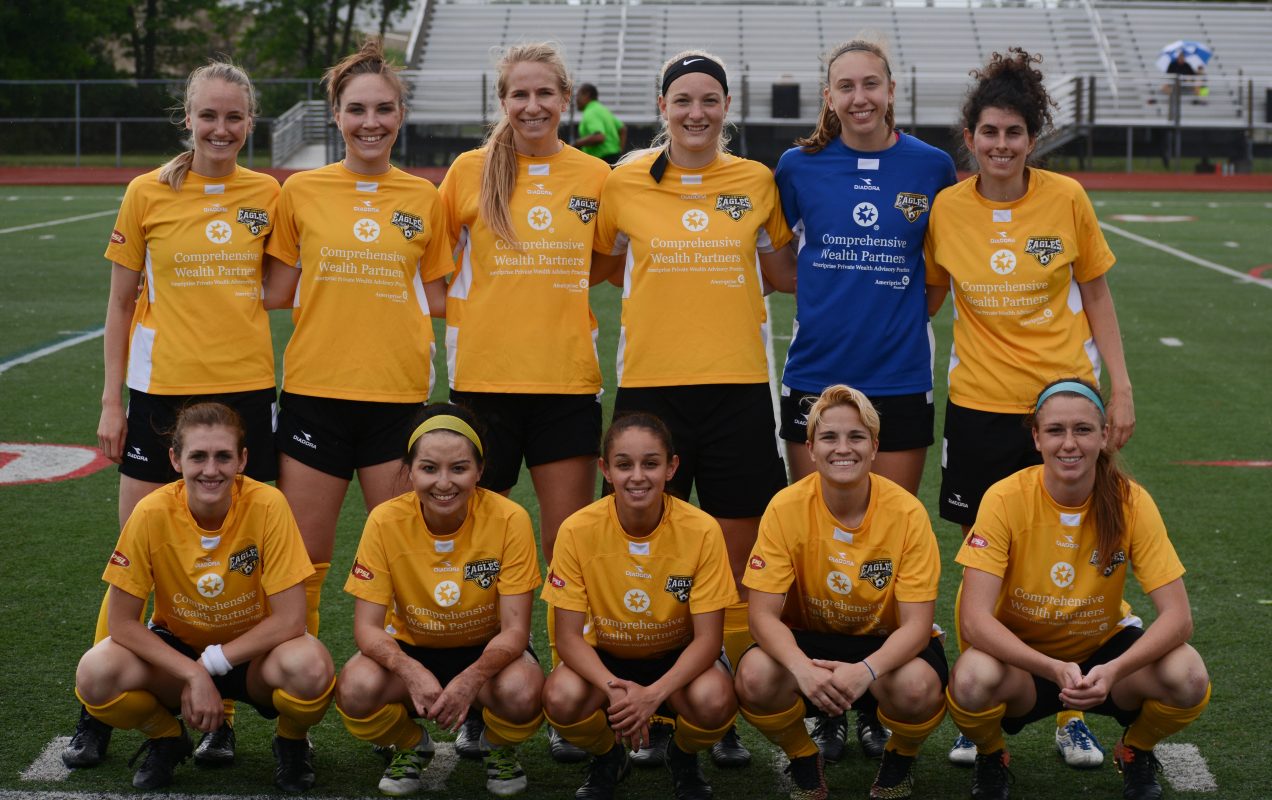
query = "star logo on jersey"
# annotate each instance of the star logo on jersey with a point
(1044, 248)
(911, 205)
(409, 224)
(1003, 262)
(210, 585)
(878, 572)
(1062, 574)
(218, 231)
(245, 561)
(838, 582)
(636, 601)
(539, 218)
(694, 220)
(119, 559)
(446, 594)
(585, 207)
(1119, 558)
(255, 219)
(482, 572)
(735, 205)
(679, 586)
(865, 214)
(366, 230)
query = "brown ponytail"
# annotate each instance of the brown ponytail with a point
(828, 128)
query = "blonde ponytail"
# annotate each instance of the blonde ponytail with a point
(174, 172)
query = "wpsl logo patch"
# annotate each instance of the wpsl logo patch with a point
(256, 219)
(911, 205)
(585, 207)
(1044, 248)
(679, 586)
(482, 572)
(878, 572)
(1119, 558)
(735, 205)
(245, 561)
(408, 223)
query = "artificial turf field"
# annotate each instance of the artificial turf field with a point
(1199, 347)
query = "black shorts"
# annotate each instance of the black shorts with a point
(152, 418)
(447, 662)
(1047, 703)
(980, 449)
(540, 428)
(646, 671)
(723, 434)
(905, 420)
(232, 685)
(340, 436)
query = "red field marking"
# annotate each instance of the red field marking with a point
(22, 462)
(1226, 463)
(1258, 271)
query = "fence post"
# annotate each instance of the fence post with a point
(914, 100)
(1077, 116)
(77, 123)
(119, 149)
(1090, 128)
(1130, 149)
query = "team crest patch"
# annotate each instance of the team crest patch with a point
(735, 205)
(757, 563)
(482, 572)
(117, 238)
(408, 223)
(1044, 248)
(361, 573)
(679, 586)
(1119, 558)
(119, 559)
(585, 207)
(878, 572)
(256, 219)
(245, 561)
(556, 581)
(911, 205)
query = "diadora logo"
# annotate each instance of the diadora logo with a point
(307, 441)
(366, 230)
(210, 585)
(911, 205)
(838, 582)
(585, 207)
(1062, 574)
(446, 594)
(1002, 237)
(362, 573)
(256, 219)
(539, 188)
(119, 559)
(1044, 248)
(446, 566)
(1119, 558)
(1003, 262)
(135, 454)
(679, 586)
(215, 208)
(366, 207)
(842, 559)
(636, 601)
(866, 185)
(482, 572)
(956, 499)
(409, 224)
(539, 218)
(637, 571)
(735, 205)
(245, 561)
(878, 572)
(865, 214)
(218, 231)
(1066, 541)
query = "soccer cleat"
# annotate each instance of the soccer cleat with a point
(87, 747)
(687, 780)
(293, 765)
(468, 742)
(991, 776)
(654, 753)
(604, 774)
(1078, 745)
(808, 777)
(402, 777)
(504, 775)
(895, 779)
(564, 752)
(830, 734)
(216, 748)
(963, 753)
(729, 752)
(1138, 768)
(162, 757)
(871, 734)
(424, 747)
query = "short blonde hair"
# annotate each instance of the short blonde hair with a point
(841, 395)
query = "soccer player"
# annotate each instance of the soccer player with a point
(520, 338)
(360, 253)
(1045, 568)
(1025, 257)
(186, 254)
(443, 580)
(601, 134)
(225, 561)
(843, 587)
(857, 193)
(652, 573)
(686, 221)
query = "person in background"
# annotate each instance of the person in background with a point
(601, 134)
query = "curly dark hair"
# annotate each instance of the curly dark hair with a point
(1010, 82)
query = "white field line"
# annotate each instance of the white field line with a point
(49, 350)
(440, 767)
(50, 223)
(1185, 768)
(1171, 341)
(48, 765)
(1201, 262)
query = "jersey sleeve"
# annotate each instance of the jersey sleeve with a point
(284, 562)
(605, 236)
(370, 578)
(988, 544)
(1152, 555)
(130, 568)
(778, 232)
(771, 567)
(284, 239)
(438, 260)
(784, 177)
(713, 587)
(565, 587)
(919, 577)
(127, 246)
(520, 570)
(933, 273)
(1094, 256)
(449, 192)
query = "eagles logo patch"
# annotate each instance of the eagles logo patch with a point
(1044, 248)
(679, 586)
(1119, 558)
(256, 219)
(482, 572)
(911, 205)
(408, 223)
(735, 205)
(878, 572)
(246, 560)
(585, 207)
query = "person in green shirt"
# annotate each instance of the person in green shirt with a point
(601, 134)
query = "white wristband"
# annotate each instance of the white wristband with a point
(214, 660)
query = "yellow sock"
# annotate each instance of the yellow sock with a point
(785, 729)
(501, 733)
(692, 739)
(737, 633)
(228, 708)
(985, 728)
(313, 596)
(1068, 715)
(136, 711)
(391, 726)
(908, 737)
(297, 716)
(592, 734)
(103, 629)
(1157, 720)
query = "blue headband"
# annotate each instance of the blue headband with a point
(1073, 387)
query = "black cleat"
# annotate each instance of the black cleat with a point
(729, 752)
(604, 774)
(687, 780)
(162, 757)
(1138, 768)
(871, 734)
(654, 753)
(294, 765)
(829, 734)
(562, 751)
(808, 774)
(895, 779)
(216, 749)
(990, 776)
(87, 747)
(468, 741)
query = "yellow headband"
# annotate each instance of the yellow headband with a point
(446, 422)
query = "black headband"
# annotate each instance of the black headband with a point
(695, 63)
